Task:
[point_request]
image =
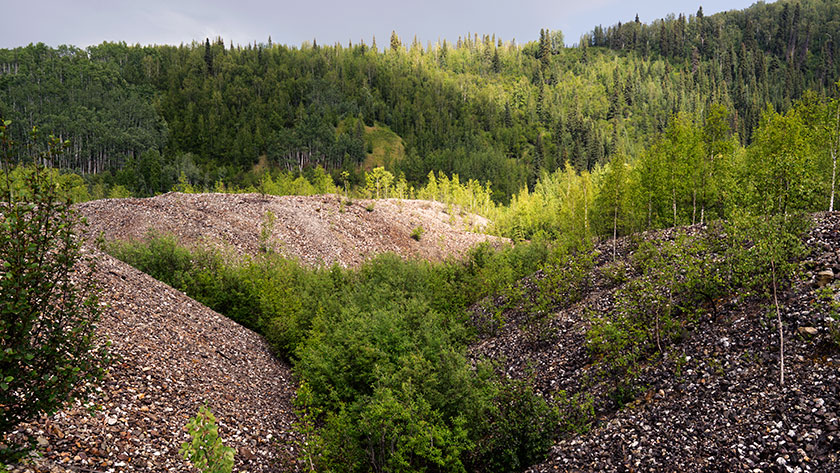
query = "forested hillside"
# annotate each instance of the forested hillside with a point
(481, 107)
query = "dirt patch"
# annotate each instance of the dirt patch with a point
(316, 230)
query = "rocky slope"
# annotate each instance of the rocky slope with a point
(314, 229)
(174, 355)
(712, 402)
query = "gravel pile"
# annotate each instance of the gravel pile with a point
(317, 230)
(175, 355)
(712, 402)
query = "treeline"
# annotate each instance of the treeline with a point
(695, 172)
(482, 108)
(768, 53)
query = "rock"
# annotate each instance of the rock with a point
(824, 277)
(810, 331)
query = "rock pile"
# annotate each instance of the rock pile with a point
(174, 355)
(712, 402)
(322, 229)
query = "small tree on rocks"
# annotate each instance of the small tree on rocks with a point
(49, 351)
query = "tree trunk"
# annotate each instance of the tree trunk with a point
(615, 228)
(694, 206)
(781, 330)
(674, 204)
(834, 150)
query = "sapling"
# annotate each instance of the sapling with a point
(205, 450)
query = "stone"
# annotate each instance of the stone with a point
(810, 331)
(824, 277)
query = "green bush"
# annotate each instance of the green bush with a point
(565, 279)
(417, 233)
(49, 308)
(206, 451)
(381, 350)
(514, 429)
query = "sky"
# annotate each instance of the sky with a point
(87, 22)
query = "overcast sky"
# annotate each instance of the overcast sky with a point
(86, 22)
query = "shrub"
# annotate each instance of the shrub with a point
(206, 451)
(565, 278)
(417, 233)
(516, 429)
(48, 303)
(266, 231)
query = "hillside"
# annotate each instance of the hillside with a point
(713, 401)
(483, 107)
(314, 229)
(173, 356)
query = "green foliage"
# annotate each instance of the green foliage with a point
(486, 109)
(68, 185)
(577, 412)
(48, 300)
(764, 245)
(206, 451)
(159, 256)
(381, 351)
(311, 444)
(417, 232)
(780, 167)
(828, 304)
(564, 278)
(655, 309)
(518, 428)
(266, 231)
(378, 182)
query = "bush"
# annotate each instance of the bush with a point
(515, 430)
(48, 304)
(417, 233)
(206, 451)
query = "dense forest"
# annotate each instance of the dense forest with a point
(480, 107)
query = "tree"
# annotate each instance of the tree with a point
(779, 164)
(718, 145)
(395, 42)
(378, 180)
(205, 450)
(48, 302)
(613, 193)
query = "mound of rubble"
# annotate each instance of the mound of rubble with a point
(712, 402)
(316, 230)
(173, 356)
